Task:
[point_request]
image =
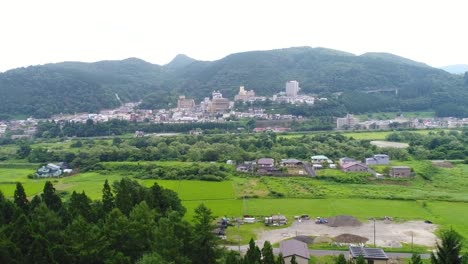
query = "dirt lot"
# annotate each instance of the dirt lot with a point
(388, 234)
(389, 144)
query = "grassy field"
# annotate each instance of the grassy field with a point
(403, 199)
(368, 135)
(392, 115)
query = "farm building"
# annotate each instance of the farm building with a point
(400, 171)
(319, 159)
(49, 170)
(276, 220)
(293, 247)
(354, 167)
(371, 255)
(378, 159)
(290, 163)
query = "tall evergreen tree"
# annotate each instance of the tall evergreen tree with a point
(280, 259)
(267, 253)
(448, 251)
(341, 259)
(80, 204)
(204, 241)
(360, 260)
(108, 202)
(233, 257)
(21, 234)
(293, 260)
(416, 259)
(51, 199)
(20, 198)
(39, 252)
(253, 254)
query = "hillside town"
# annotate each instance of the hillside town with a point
(217, 108)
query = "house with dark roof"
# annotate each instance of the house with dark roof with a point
(345, 160)
(290, 163)
(293, 247)
(371, 255)
(378, 159)
(266, 163)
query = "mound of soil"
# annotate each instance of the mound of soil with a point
(322, 239)
(442, 163)
(343, 220)
(306, 239)
(349, 238)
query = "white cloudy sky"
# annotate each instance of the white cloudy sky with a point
(37, 32)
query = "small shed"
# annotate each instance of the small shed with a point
(400, 171)
(293, 247)
(371, 255)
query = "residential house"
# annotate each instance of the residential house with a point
(291, 163)
(49, 170)
(293, 247)
(354, 167)
(266, 163)
(378, 159)
(319, 159)
(371, 255)
(400, 171)
(345, 160)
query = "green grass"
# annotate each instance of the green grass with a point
(391, 115)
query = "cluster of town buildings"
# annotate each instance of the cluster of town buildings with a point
(352, 122)
(220, 109)
(267, 166)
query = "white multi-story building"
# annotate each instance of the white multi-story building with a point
(292, 88)
(346, 122)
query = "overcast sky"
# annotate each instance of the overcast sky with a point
(37, 32)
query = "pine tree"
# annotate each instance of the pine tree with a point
(267, 253)
(39, 252)
(253, 254)
(233, 257)
(448, 251)
(20, 198)
(108, 202)
(51, 199)
(204, 241)
(293, 260)
(341, 259)
(360, 260)
(416, 259)
(280, 259)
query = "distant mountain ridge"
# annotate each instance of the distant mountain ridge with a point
(456, 68)
(69, 87)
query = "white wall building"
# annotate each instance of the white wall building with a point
(292, 88)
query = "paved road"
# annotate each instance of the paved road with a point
(316, 252)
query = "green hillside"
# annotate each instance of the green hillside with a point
(381, 81)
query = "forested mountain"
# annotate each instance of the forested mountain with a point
(387, 82)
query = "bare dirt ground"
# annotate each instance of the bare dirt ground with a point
(389, 144)
(388, 234)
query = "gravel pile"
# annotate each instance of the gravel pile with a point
(343, 220)
(349, 238)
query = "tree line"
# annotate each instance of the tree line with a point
(130, 224)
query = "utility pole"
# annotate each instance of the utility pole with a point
(238, 234)
(411, 241)
(374, 231)
(245, 207)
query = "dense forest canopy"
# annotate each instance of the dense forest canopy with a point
(86, 87)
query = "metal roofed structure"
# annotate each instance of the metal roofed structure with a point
(372, 255)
